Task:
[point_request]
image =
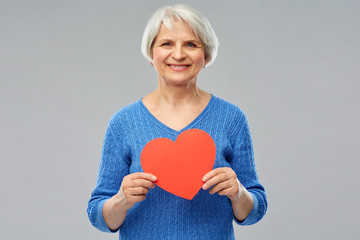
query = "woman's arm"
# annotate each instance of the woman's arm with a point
(242, 162)
(134, 188)
(116, 190)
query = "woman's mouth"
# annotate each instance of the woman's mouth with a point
(178, 67)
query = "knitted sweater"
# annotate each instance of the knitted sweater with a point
(163, 215)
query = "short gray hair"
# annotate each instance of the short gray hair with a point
(196, 21)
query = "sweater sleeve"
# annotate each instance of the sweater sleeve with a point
(243, 163)
(114, 165)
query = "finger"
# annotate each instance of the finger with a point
(212, 173)
(222, 186)
(142, 183)
(219, 187)
(228, 192)
(133, 188)
(131, 192)
(138, 191)
(143, 175)
(215, 180)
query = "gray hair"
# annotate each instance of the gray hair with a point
(196, 21)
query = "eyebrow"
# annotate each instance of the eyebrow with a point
(189, 40)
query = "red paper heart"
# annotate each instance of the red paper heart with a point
(180, 166)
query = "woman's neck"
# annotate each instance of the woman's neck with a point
(175, 95)
(176, 107)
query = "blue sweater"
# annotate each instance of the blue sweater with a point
(163, 215)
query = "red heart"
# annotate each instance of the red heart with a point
(180, 166)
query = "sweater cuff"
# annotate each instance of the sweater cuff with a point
(102, 226)
(253, 215)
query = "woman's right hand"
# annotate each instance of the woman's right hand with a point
(134, 188)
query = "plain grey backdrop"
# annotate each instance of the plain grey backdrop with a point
(292, 66)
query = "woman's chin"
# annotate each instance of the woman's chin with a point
(181, 82)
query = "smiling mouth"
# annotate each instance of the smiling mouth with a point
(178, 67)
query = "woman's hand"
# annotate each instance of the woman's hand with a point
(225, 182)
(134, 188)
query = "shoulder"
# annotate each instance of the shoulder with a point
(125, 112)
(124, 116)
(231, 110)
(232, 116)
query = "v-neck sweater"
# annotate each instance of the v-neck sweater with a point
(163, 215)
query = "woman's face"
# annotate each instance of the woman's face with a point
(178, 56)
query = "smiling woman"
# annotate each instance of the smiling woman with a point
(179, 42)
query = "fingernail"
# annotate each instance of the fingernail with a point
(204, 186)
(153, 178)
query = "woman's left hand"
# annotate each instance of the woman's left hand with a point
(224, 182)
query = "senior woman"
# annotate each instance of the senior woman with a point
(179, 42)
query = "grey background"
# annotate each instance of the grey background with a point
(292, 66)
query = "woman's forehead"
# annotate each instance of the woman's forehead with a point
(177, 29)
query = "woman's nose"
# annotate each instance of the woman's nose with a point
(178, 53)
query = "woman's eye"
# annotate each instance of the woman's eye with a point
(192, 45)
(165, 44)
